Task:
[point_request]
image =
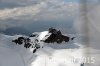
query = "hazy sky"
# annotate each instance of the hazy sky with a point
(27, 16)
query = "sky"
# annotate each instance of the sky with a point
(28, 16)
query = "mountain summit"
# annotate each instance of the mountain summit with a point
(37, 39)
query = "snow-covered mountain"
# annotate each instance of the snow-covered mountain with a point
(38, 39)
(48, 54)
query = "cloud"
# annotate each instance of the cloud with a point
(15, 3)
(19, 12)
(48, 10)
(45, 9)
(19, 3)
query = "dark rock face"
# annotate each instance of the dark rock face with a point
(34, 50)
(82, 64)
(19, 40)
(23, 40)
(56, 36)
(27, 43)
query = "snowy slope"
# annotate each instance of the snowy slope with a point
(51, 55)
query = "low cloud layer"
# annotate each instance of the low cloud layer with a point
(30, 12)
(38, 11)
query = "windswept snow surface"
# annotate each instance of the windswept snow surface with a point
(43, 34)
(51, 55)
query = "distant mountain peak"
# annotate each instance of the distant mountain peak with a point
(37, 39)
